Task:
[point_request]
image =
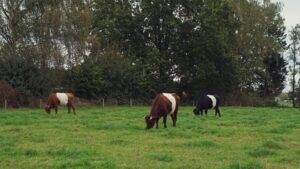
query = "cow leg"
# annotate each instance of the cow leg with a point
(201, 112)
(71, 105)
(73, 108)
(156, 121)
(218, 110)
(174, 118)
(205, 112)
(165, 121)
(56, 110)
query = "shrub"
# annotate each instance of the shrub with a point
(7, 92)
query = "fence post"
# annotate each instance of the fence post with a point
(5, 104)
(40, 103)
(130, 100)
(102, 102)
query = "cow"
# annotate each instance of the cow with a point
(56, 99)
(162, 105)
(208, 102)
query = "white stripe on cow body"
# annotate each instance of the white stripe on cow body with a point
(171, 98)
(213, 99)
(63, 98)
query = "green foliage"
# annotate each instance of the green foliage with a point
(123, 49)
(19, 70)
(108, 75)
(86, 81)
(8, 93)
(272, 82)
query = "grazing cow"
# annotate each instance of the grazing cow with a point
(56, 99)
(208, 102)
(162, 105)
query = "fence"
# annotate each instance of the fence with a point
(79, 102)
(39, 103)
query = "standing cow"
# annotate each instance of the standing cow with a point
(162, 105)
(208, 102)
(56, 99)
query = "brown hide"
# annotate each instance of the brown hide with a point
(161, 107)
(53, 102)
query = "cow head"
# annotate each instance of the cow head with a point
(149, 122)
(47, 108)
(196, 111)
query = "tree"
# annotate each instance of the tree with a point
(260, 37)
(272, 82)
(109, 75)
(272, 75)
(294, 49)
(205, 48)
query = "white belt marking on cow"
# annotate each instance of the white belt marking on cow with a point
(63, 98)
(213, 99)
(171, 98)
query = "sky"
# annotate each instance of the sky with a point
(290, 11)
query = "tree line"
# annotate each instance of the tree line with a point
(120, 49)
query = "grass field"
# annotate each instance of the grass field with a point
(115, 137)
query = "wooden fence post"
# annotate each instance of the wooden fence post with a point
(40, 103)
(102, 102)
(130, 100)
(5, 104)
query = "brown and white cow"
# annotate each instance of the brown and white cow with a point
(56, 99)
(162, 105)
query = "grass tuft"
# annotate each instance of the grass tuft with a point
(30, 153)
(273, 145)
(279, 130)
(260, 152)
(202, 144)
(245, 165)
(64, 152)
(161, 157)
(118, 142)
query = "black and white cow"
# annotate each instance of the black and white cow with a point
(208, 102)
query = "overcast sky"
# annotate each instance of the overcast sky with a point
(290, 11)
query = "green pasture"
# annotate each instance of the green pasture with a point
(115, 137)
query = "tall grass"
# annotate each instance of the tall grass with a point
(115, 137)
